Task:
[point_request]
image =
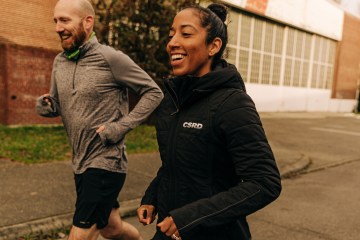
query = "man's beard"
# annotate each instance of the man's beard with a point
(79, 36)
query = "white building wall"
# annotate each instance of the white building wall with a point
(318, 16)
(269, 98)
(237, 3)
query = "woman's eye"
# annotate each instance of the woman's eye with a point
(186, 34)
(170, 37)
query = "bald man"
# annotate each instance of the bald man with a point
(88, 90)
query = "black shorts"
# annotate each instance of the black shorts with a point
(97, 191)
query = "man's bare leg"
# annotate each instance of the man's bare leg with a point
(84, 234)
(118, 229)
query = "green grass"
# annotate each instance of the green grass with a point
(141, 140)
(36, 144)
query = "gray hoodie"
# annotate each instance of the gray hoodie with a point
(92, 91)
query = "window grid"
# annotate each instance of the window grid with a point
(257, 50)
(260, 77)
(249, 62)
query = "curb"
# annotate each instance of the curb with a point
(295, 168)
(36, 226)
(48, 224)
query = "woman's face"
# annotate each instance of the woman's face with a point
(189, 54)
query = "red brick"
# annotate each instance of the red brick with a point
(28, 76)
(3, 84)
(258, 6)
(347, 70)
(28, 23)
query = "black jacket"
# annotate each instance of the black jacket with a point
(217, 165)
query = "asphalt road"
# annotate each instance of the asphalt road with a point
(327, 139)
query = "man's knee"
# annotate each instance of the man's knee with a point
(117, 229)
(111, 232)
(77, 233)
(114, 229)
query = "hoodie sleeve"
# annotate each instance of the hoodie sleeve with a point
(128, 74)
(258, 178)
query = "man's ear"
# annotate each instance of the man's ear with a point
(89, 22)
(215, 46)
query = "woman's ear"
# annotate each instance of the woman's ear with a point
(215, 46)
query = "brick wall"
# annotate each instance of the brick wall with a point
(257, 6)
(3, 89)
(29, 23)
(28, 77)
(347, 71)
(28, 45)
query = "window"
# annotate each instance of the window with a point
(264, 52)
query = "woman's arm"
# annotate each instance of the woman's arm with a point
(148, 209)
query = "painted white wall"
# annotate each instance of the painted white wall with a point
(319, 16)
(269, 98)
(351, 6)
(236, 3)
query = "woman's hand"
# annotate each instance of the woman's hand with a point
(146, 214)
(168, 227)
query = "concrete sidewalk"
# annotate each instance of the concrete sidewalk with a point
(41, 197)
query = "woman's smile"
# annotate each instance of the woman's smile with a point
(177, 59)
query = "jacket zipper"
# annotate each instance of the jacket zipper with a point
(73, 79)
(171, 150)
(174, 98)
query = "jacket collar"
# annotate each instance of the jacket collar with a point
(80, 52)
(188, 89)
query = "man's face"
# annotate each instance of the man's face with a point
(69, 26)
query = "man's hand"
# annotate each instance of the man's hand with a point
(46, 100)
(146, 214)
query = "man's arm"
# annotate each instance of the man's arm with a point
(130, 75)
(47, 105)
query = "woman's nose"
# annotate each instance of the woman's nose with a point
(173, 42)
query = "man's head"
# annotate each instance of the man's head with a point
(74, 21)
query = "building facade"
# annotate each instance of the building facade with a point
(293, 57)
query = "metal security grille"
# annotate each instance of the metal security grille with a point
(269, 53)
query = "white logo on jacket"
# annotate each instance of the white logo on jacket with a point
(192, 125)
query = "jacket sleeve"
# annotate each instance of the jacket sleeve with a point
(238, 124)
(150, 196)
(42, 108)
(129, 75)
